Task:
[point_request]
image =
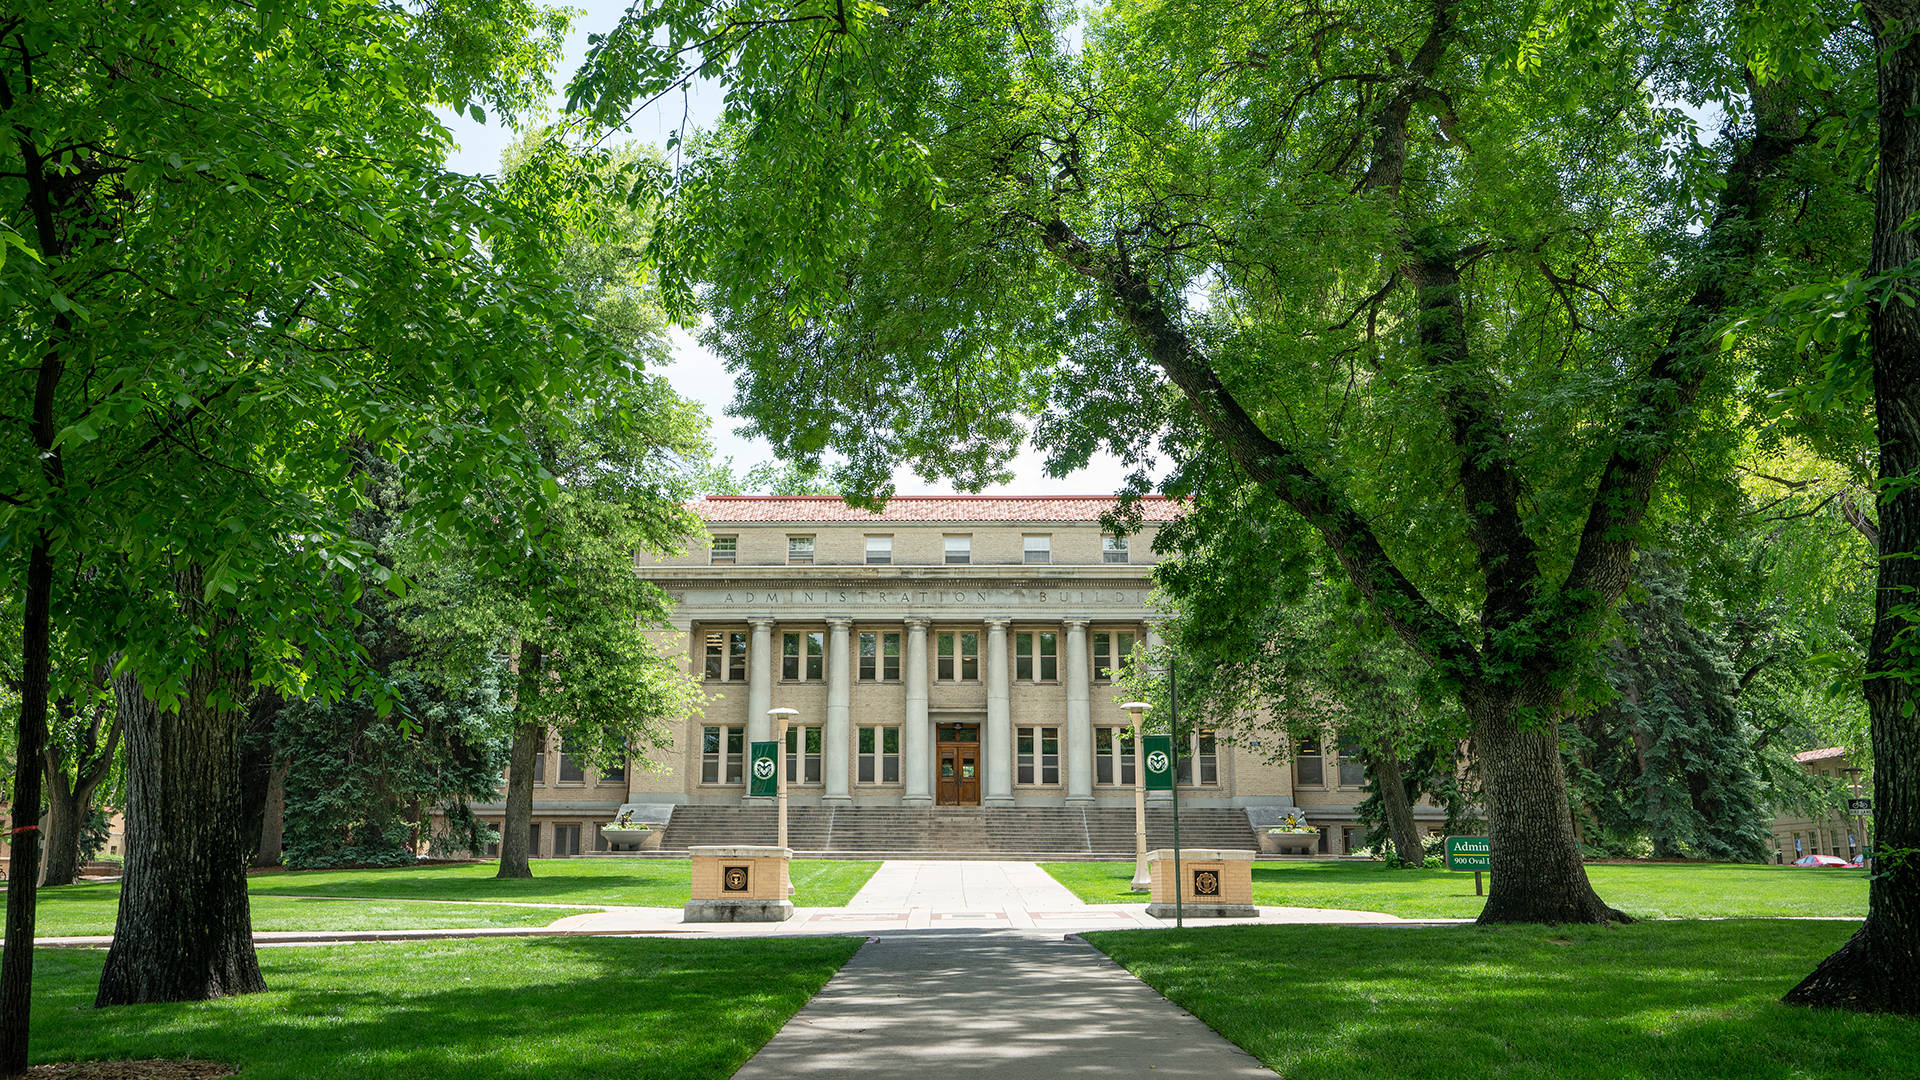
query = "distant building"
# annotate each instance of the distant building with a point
(1834, 833)
(952, 651)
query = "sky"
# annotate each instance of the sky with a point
(695, 372)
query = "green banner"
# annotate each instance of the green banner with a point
(1469, 853)
(1157, 752)
(763, 769)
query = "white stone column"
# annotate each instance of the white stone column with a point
(916, 744)
(997, 740)
(1154, 643)
(1079, 716)
(759, 686)
(839, 702)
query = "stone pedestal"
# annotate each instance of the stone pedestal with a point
(1214, 884)
(739, 884)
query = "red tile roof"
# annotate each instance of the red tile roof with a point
(784, 508)
(1821, 755)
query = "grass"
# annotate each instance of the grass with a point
(1656, 890)
(1653, 1000)
(618, 882)
(552, 1009)
(74, 910)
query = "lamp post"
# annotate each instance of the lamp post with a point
(781, 718)
(1142, 878)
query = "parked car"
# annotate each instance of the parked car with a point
(1819, 861)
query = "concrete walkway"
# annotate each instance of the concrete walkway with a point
(1007, 1005)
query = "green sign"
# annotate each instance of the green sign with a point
(1157, 752)
(1469, 853)
(763, 768)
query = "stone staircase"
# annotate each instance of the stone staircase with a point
(956, 832)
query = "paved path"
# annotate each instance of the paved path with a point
(1007, 1005)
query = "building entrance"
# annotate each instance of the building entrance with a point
(958, 760)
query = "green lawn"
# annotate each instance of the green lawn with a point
(620, 882)
(73, 910)
(1657, 890)
(1650, 1000)
(547, 1009)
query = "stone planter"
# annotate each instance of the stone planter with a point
(641, 839)
(1289, 843)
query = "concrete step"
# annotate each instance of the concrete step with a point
(970, 832)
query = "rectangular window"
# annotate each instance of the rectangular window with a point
(959, 549)
(1038, 549)
(540, 758)
(1201, 755)
(725, 549)
(1306, 765)
(879, 657)
(566, 840)
(1352, 838)
(879, 755)
(615, 775)
(804, 743)
(1113, 755)
(802, 655)
(573, 769)
(1036, 656)
(722, 749)
(1111, 648)
(493, 839)
(533, 840)
(879, 550)
(726, 656)
(799, 550)
(1037, 755)
(1113, 549)
(958, 656)
(1353, 773)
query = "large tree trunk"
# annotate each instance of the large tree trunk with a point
(1878, 969)
(1389, 779)
(519, 813)
(184, 932)
(23, 866)
(273, 816)
(1537, 876)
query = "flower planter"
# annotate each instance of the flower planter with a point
(642, 839)
(1297, 843)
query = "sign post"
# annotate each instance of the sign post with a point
(1473, 853)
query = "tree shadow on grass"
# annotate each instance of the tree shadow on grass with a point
(555, 1009)
(1672, 1000)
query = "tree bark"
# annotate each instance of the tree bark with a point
(519, 812)
(273, 816)
(1537, 875)
(1389, 779)
(1878, 969)
(185, 932)
(23, 866)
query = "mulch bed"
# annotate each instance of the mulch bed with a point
(151, 1069)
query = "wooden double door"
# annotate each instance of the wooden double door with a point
(957, 764)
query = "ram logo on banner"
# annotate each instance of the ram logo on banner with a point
(1158, 754)
(764, 769)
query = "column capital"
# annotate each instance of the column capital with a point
(1078, 622)
(999, 624)
(761, 623)
(840, 623)
(918, 623)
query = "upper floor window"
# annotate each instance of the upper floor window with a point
(879, 550)
(573, 767)
(540, 758)
(957, 656)
(726, 659)
(1203, 759)
(1113, 755)
(960, 549)
(802, 655)
(1307, 768)
(799, 550)
(1039, 549)
(1353, 771)
(1113, 549)
(1111, 648)
(722, 750)
(725, 549)
(1036, 656)
(879, 657)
